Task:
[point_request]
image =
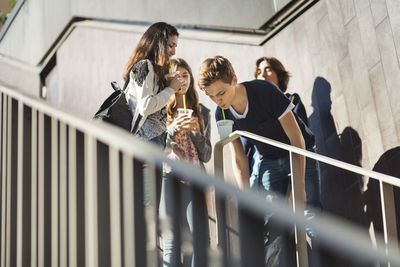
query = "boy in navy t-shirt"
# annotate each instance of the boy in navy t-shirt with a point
(255, 106)
(261, 108)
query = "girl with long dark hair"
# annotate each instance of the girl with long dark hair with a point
(148, 90)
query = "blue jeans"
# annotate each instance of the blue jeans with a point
(165, 212)
(272, 176)
(273, 179)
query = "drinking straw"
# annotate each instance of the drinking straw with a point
(223, 113)
(184, 102)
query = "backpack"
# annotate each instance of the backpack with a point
(115, 108)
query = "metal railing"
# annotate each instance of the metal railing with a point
(386, 190)
(72, 195)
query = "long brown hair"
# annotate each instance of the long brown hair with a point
(153, 46)
(192, 98)
(277, 66)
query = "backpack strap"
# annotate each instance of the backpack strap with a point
(139, 118)
(116, 87)
(126, 83)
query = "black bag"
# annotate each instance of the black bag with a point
(115, 109)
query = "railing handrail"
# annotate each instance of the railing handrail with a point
(386, 183)
(353, 243)
(334, 162)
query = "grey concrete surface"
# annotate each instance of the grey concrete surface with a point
(40, 22)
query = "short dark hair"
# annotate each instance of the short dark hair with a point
(277, 66)
(214, 69)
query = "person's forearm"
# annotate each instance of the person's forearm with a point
(240, 164)
(153, 103)
(295, 136)
(241, 173)
(299, 142)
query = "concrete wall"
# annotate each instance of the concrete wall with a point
(344, 61)
(34, 30)
(20, 76)
(39, 22)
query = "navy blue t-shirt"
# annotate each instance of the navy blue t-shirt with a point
(266, 104)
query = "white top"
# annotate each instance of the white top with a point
(242, 116)
(143, 93)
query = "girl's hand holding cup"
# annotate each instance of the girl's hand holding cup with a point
(193, 125)
(181, 122)
(185, 121)
(174, 80)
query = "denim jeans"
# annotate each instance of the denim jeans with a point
(273, 176)
(165, 212)
(273, 179)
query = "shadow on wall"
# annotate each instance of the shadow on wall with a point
(342, 192)
(388, 164)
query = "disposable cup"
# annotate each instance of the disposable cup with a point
(171, 75)
(181, 112)
(224, 128)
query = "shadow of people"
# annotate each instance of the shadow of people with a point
(341, 191)
(327, 143)
(352, 201)
(388, 163)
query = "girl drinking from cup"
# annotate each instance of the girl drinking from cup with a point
(188, 139)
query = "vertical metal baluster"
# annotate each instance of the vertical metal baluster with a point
(34, 207)
(115, 215)
(27, 185)
(251, 238)
(63, 196)
(298, 196)
(72, 198)
(200, 228)
(176, 215)
(80, 198)
(128, 200)
(40, 190)
(13, 179)
(139, 215)
(54, 192)
(220, 206)
(91, 229)
(1, 169)
(151, 215)
(8, 218)
(19, 183)
(4, 181)
(103, 203)
(388, 216)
